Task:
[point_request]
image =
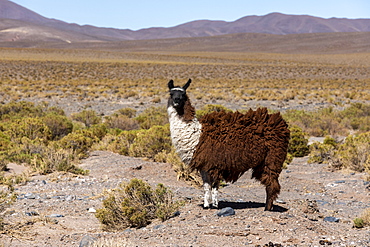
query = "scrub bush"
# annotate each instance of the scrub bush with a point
(148, 143)
(136, 204)
(353, 154)
(298, 142)
(152, 116)
(58, 125)
(122, 122)
(80, 142)
(322, 152)
(88, 117)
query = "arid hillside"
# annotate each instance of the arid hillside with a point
(316, 43)
(60, 31)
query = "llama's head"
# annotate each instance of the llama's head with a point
(178, 95)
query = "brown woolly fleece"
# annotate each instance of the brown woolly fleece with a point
(232, 143)
(189, 112)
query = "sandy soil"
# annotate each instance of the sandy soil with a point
(58, 209)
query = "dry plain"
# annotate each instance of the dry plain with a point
(105, 80)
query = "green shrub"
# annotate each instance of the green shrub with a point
(353, 154)
(288, 160)
(128, 112)
(358, 223)
(363, 220)
(150, 142)
(136, 204)
(122, 122)
(3, 163)
(25, 150)
(31, 128)
(121, 143)
(298, 142)
(331, 122)
(356, 117)
(80, 142)
(5, 145)
(365, 215)
(50, 160)
(98, 131)
(211, 108)
(88, 117)
(59, 125)
(152, 116)
(322, 152)
(19, 109)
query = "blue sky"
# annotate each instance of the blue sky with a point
(167, 13)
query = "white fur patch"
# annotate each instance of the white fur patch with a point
(185, 136)
(178, 89)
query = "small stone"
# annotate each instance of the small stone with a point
(280, 201)
(325, 242)
(228, 211)
(70, 198)
(87, 241)
(55, 216)
(32, 213)
(158, 227)
(30, 196)
(340, 182)
(91, 210)
(331, 219)
(177, 213)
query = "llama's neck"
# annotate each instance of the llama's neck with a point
(185, 131)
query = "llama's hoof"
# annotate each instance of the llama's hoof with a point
(211, 206)
(269, 208)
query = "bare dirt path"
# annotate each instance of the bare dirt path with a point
(58, 209)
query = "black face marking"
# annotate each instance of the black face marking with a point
(178, 97)
(178, 94)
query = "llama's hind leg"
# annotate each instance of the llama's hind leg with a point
(272, 191)
(215, 196)
(270, 179)
(207, 189)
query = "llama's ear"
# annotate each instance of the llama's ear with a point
(187, 84)
(170, 84)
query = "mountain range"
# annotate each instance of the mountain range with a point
(20, 26)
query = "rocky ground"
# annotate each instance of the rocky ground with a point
(316, 208)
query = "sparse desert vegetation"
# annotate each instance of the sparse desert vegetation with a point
(238, 79)
(59, 105)
(136, 204)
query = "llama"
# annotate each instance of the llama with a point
(223, 146)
